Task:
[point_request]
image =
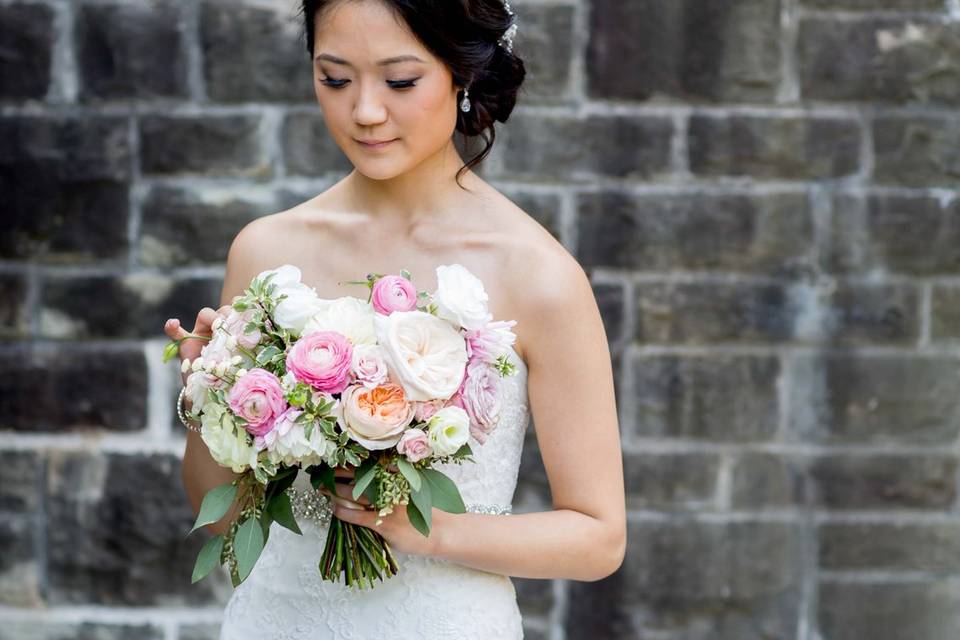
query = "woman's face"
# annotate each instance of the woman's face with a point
(366, 96)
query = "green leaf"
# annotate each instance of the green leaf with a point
(281, 482)
(281, 510)
(215, 505)
(265, 520)
(266, 354)
(417, 520)
(247, 545)
(365, 474)
(208, 558)
(444, 492)
(409, 473)
(171, 350)
(424, 502)
(322, 474)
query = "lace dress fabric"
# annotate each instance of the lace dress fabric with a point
(430, 599)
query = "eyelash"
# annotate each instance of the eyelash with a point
(397, 84)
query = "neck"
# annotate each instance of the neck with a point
(427, 191)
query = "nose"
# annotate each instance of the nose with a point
(369, 109)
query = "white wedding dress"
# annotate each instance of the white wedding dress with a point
(284, 597)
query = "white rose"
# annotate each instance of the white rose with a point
(301, 302)
(228, 444)
(448, 429)
(460, 297)
(348, 315)
(424, 354)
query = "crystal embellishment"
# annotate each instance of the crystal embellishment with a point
(315, 507)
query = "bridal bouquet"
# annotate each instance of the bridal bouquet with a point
(390, 385)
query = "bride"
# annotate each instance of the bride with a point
(394, 80)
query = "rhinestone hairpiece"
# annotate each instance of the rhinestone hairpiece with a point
(506, 40)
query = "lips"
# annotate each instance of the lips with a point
(375, 144)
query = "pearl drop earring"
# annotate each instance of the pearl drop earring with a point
(465, 103)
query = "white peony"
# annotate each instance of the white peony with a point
(348, 315)
(287, 443)
(460, 297)
(424, 354)
(448, 429)
(301, 302)
(228, 444)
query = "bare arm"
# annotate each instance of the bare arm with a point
(571, 394)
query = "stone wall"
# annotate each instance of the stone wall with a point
(764, 193)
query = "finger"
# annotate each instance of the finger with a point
(343, 501)
(346, 491)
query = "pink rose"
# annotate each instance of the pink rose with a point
(322, 360)
(235, 323)
(257, 397)
(414, 444)
(369, 367)
(490, 341)
(480, 396)
(393, 293)
(426, 408)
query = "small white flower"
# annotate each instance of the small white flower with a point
(197, 364)
(241, 372)
(236, 360)
(449, 429)
(185, 365)
(216, 323)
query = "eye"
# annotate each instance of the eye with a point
(395, 84)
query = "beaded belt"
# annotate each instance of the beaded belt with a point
(316, 506)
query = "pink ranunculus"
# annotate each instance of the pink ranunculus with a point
(426, 408)
(393, 293)
(481, 397)
(489, 342)
(257, 397)
(414, 444)
(235, 323)
(322, 360)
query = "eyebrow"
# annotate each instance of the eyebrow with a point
(386, 61)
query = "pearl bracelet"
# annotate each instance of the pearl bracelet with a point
(183, 418)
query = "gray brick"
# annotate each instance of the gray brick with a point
(128, 306)
(768, 234)
(766, 480)
(543, 207)
(183, 226)
(920, 151)
(26, 39)
(671, 481)
(873, 314)
(740, 580)
(308, 148)
(910, 234)
(71, 387)
(880, 59)
(208, 145)
(890, 546)
(20, 474)
(116, 532)
(788, 148)
(714, 312)
(32, 630)
(727, 50)
(13, 310)
(889, 611)
(65, 182)
(534, 596)
(718, 397)
(610, 298)
(20, 573)
(278, 68)
(546, 30)
(870, 5)
(130, 51)
(945, 312)
(883, 482)
(610, 146)
(877, 399)
(199, 632)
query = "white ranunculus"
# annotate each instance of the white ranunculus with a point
(301, 302)
(448, 429)
(424, 354)
(348, 315)
(460, 297)
(228, 443)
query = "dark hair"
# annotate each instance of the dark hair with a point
(465, 35)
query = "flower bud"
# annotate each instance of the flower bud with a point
(231, 343)
(236, 360)
(241, 372)
(216, 323)
(185, 365)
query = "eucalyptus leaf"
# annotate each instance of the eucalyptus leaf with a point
(417, 520)
(247, 545)
(208, 558)
(364, 475)
(409, 473)
(281, 511)
(443, 492)
(215, 505)
(323, 474)
(424, 502)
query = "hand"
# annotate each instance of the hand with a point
(203, 326)
(395, 527)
